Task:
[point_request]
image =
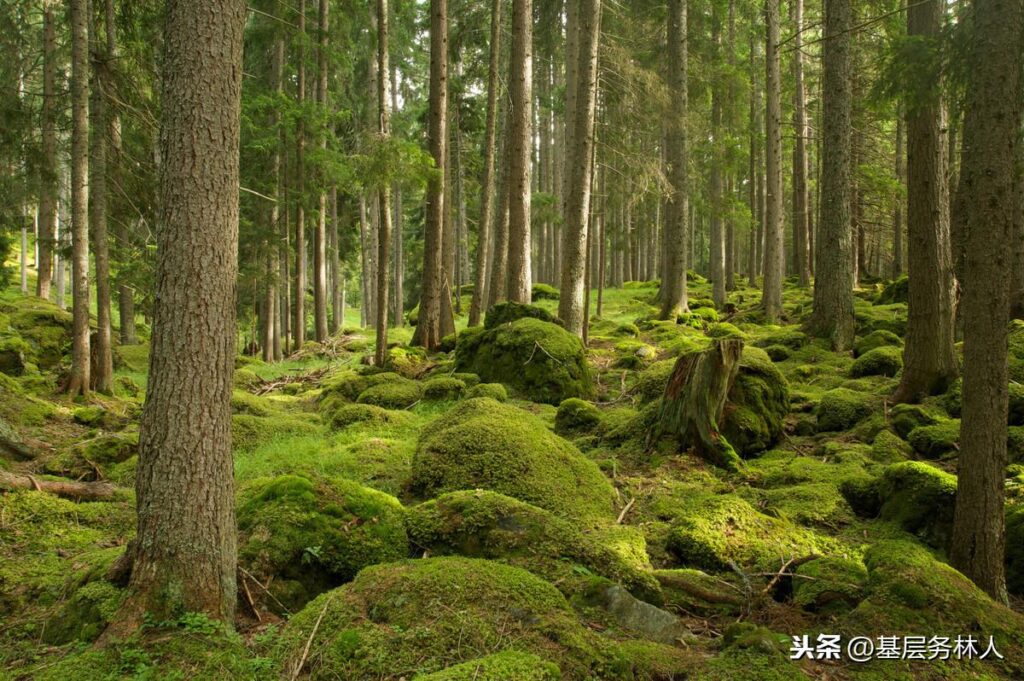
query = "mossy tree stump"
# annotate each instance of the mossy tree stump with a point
(695, 398)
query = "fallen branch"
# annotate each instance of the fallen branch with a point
(622, 516)
(677, 582)
(67, 489)
(787, 567)
(309, 641)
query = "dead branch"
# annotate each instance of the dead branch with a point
(67, 489)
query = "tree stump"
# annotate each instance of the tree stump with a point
(695, 398)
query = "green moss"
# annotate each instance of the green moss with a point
(308, 536)
(506, 313)
(576, 416)
(110, 449)
(889, 448)
(348, 385)
(920, 498)
(392, 394)
(726, 330)
(423, 616)
(712, 531)
(484, 524)
(633, 354)
(882, 361)
(409, 362)
(936, 441)
(758, 403)
(246, 379)
(249, 432)
(842, 409)
(652, 381)
(875, 340)
(488, 445)
(541, 359)
(790, 338)
(777, 353)
(350, 414)
(495, 391)
(894, 291)
(443, 388)
(508, 665)
(830, 584)
(246, 403)
(1015, 550)
(750, 663)
(93, 416)
(44, 329)
(544, 292)
(906, 417)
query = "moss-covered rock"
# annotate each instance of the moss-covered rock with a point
(495, 391)
(540, 358)
(633, 354)
(349, 414)
(392, 394)
(920, 498)
(91, 601)
(246, 379)
(508, 312)
(311, 535)
(483, 444)
(936, 441)
(443, 388)
(757, 404)
(875, 340)
(544, 292)
(576, 416)
(726, 330)
(93, 416)
(110, 449)
(484, 524)
(889, 448)
(650, 384)
(894, 291)
(904, 418)
(830, 584)
(406, 361)
(842, 409)
(349, 385)
(249, 431)
(789, 337)
(508, 665)
(43, 328)
(882, 361)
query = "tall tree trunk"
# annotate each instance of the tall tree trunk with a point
(930, 359)
(521, 144)
(675, 236)
(79, 381)
(334, 256)
(716, 241)
(496, 291)
(299, 304)
(801, 226)
(428, 329)
(754, 166)
(897, 213)
(398, 276)
(990, 173)
(579, 169)
(384, 193)
(832, 316)
(483, 244)
(102, 370)
(185, 556)
(48, 190)
(320, 245)
(364, 269)
(272, 336)
(773, 255)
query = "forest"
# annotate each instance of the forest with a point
(512, 340)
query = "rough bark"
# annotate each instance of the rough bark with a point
(929, 356)
(521, 144)
(184, 556)
(675, 239)
(79, 381)
(579, 169)
(496, 291)
(771, 300)
(384, 192)
(801, 224)
(716, 236)
(101, 372)
(299, 301)
(832, 315)
(48, 173)
(990, 173)
(897, 213)
(320, 240)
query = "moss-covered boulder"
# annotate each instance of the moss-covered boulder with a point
(91, 601)
(482, 524)
(423, 616)
(43, 329)
(392, 394)
(249, 431)
(539, 358)
(508, 665)
(346, 415)
(495, 391)
(544, 292)
(830, 584)
(406, 361)
(757, 405)
(875, 340)
(883, 361)
(842, 409)
(904, 418)
(311, 535)
(349, 385)
(789, 337)
(443, 388)
(895, 291)
(576, 416)
(936, 441)
(506, 313)
(484, 444)
(920, 498)
(650, 384)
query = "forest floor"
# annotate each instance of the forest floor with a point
(503, 511)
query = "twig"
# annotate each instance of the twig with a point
(265, 589)
(309, 641)
(628, 507)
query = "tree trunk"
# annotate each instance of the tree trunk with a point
(299, 303)
(185, 551)
(496, 291)
(428, 329)
(579, 169)
(79, 380)
(695, 398)
(520, 146)
(334, 255)
(398, 277)
(753, 166)
(989, 172)
(102, 370)
(773, 236)
(483, 244)
(716, 241)
(48, 190)
(384, 193)
(675, 237)
(929, 356)
(801, 228)
(320, 245)
(897, 213)
(833, 298)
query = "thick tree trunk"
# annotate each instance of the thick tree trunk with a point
(801, 223)
(398, 276)
(675, 236)
(773, 232)
(833, 298)
(428, 330)
(496, 291)
(299, 302)
(48, 191)
(79, 381)
(334, 255)
(989, 173)
(579, 169)
(695, 399)
(521, 144)
(753, 166)
(897, 213)
(929, 356)
(716, 241)
(384, 193)
(483, 244)
(185, 550)
(320, 245)
(101, 372)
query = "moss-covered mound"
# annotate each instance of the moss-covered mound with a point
(506, 313)
(495, 391)
(91, 601)
(443, 388)
(249, 431)
(348, 414)
(349, 385)
(423, 616)
(920, 498)
(1015, 550)
(576, 416)
(309, 536)
(830, 584)
(894, 292)
(937, 440)
(874, 340)
(544, 292)
(883, 361)
(537, 357)
(842, 409)
(38, 329)
(508, 665)
(398, 394)
(758, 403)
(482, 524)
(484, 444)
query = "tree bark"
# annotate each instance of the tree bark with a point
(320, 245)
(521, 143)
(801, 225)
(897, 213)
(101, 372)
(496, 291)
(675, 236)
(716, 240)
(299, 302)
(773, 255)
(79, 381)
(48, 191)
(384, 193)
(929, 356)
(67, 489)
(832, 316)
(185, 551)
(990, 175)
